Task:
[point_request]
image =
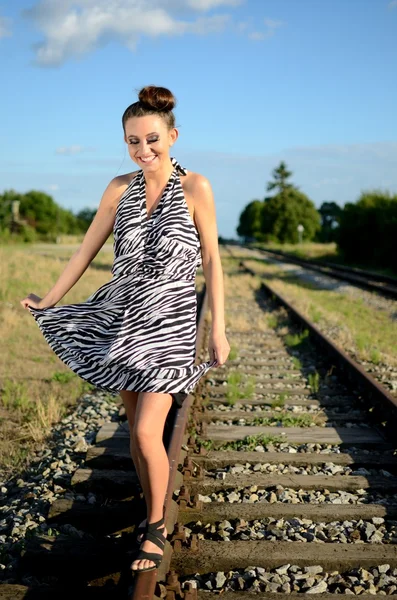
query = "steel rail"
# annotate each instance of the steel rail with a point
(373, 390)
(145, 583)
(373, 282)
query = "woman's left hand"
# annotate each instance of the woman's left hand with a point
(218, 347)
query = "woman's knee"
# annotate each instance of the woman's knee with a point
(144, 435)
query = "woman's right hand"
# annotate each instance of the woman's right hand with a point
(32, 300)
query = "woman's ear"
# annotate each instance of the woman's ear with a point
(173, 136)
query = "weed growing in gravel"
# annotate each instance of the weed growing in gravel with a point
(315, 314)
(285, 419)
(233, 354)
(272, 321)
(249, 443)
(279, 401)
(296, 362)
(239, 386)
(375, 356)
(295, 340)
(314, 382)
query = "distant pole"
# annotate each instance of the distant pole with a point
(300, 229)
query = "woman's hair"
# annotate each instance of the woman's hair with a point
(152, 100)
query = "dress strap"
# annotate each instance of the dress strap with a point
(178, 167)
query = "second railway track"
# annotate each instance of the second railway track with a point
(374, 282)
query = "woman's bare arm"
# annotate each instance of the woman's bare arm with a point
(205, 219)
(95, 237)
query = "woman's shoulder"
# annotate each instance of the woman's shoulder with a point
(117, 187)
(124, 180)
(193, 181)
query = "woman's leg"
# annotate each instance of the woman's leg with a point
(151, 412)
(130, 401)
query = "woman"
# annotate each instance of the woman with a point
(136, 334)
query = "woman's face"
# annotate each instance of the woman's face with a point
(149, 141)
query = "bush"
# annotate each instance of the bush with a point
(368, 230)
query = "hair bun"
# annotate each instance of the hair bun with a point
(157, 98)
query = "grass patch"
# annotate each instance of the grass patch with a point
(314, 382)
(233, 354)
(296, 340)
(315, 314)
(279, 402)
(239, 386)
(249, 443)
(297, 363)
(63, 376)
(285, 419)
(375, 356)
(272, 321)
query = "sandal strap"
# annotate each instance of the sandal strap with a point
(156, 558)
(154, 526)
(156, 538)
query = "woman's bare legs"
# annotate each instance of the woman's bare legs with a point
(147, 438)
(130, 401)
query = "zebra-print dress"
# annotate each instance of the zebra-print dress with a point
(138, 330)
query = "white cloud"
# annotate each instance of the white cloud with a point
(392, 4)
(211, 4)
(256, 35)
(53, 187)
(4, 27)
(73, 28)
(68, 150)
(271, 26)
(272, 23)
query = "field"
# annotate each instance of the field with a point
(36, 387)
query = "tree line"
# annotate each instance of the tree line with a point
(35, 216)
(365, 231)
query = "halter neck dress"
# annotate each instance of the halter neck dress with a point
(138, 330)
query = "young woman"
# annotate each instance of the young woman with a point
(136, 334)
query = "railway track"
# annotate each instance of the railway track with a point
(374, 282)
(283, 478)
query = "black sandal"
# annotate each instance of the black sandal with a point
(153, 534)
(142, 529)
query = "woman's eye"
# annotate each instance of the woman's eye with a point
(149, 141)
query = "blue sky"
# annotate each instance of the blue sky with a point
(310, 82)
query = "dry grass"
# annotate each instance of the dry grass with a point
(36, 387)
(364, 331)
(307, 249)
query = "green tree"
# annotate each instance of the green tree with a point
(86, 216)
(282, 213)
(280, 183)
(368, 229)
(249, 226)
(330, 213)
